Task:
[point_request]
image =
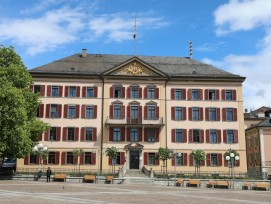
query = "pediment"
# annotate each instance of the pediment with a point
(134, 67)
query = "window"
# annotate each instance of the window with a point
(89, 112)
(70, 158)
(52, 158)
(179, 160)
(196, 136)
(195, 114)
(116, 160)
(230, 136)
(229, 95)
(72, 91)
(178, 94)
(151, 112)
(195, 94)
(88, 158)
(88, 134)
(117, 111)
(213, 136)
(52, 136)
(151, 93)
(33, 159)
(71, 134)
(179, 135)
(116, 134)
(229, 114)
(214, 159)
(117, 92)
(178, 113)
(53, 111)
(211, 94)
(37, 88)
(90, 92)
(72, 112)
(38, 112)
(134, 92)
(151, 135)
(134, 135)
(212, 114)
(55, 91)
(151, 159)
(134, 112)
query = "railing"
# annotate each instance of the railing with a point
(266, 163)
(129, 120)
(146, 171)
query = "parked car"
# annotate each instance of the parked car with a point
(8, 165)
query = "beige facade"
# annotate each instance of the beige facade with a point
(139, 108)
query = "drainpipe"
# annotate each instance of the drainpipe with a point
(102, 125)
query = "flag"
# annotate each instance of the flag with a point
(135, 29)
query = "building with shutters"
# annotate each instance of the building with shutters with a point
(138, 104)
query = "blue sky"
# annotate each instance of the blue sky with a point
(234, 35)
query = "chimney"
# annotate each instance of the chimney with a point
(84, 53)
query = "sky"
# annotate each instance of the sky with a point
(233, 35)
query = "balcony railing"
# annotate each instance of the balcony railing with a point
(129, 120)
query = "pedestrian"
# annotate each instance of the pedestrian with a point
(49, 173)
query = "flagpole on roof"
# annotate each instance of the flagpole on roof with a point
(135, 37)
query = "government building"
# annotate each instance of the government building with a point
(138, 104)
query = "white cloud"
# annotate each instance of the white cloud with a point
(208, 47)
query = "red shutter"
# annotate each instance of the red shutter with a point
(84, 92)
(128, 114)
(58, 134)
(111, 132)
(173, 161)
(94, 134)
(82, 158)
(172, 113)
(219, 136)
(82, 138)
(45, 161)
(157, 112)
(173, 94)
(226, 163)
(77, 108)
(145, 158)
(93, 158)
(145, 112)
(191, 160)
(140, 113)
(110, 160)
(41, 110)
(189, 113)
(189, 94)
(122, 134)
(128, 134)
(63, 158)
(157, 131)
(200, 114)
(77, 134)
(206, 94)
(140, 134)
(42, 90)
(157, 93)
(184, 135)
(202, 163)
(57, 158)
(157, 160)
(206, 114)
(111, 92)
(83, 111)
(223, 114)
(37, 159)
(94, 111)
(111, 111)
(235, 133)
(60, 91)
(200, 94)
(122, 158)
(223, 94)
(219, 159)
(46, 135)
(26, 160)
(234, 95)
(184, 113)
(140, 92)
(184, 94)
(217, 94)
(145, 135)
(145, 92)
(190, 135)
(128, 92)
(75, 160)
(95, 91)
(59, 110)
(123, 92)
(173, 135)
(224, 136)
(201, 136)
(207, 136)
(40, 136)
(66, 91)
(78, 91)
(234, 114)
(123, 111)
(64, 134)
(237, 163)
(217, 114)
(47, 110)
(65, 111)
(185, 159)
(49, 88)
(208, 157)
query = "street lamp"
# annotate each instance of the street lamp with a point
(41, 151)
(100, 154)
(232, 159)
(176, 154)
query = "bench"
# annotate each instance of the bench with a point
(193, 182)
(60, 177)
(179, 182)
(89, 178)
(211, 184)
(223, 184)
(247, 186)
(109, 179)
(261, 186)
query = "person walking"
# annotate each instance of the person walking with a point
(49, 173)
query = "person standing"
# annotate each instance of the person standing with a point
(49, 173)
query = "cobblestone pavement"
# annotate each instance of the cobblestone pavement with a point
(57, 192)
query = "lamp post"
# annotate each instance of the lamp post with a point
(41, 151)
(100, 154)
(175, 158)
(232, 159)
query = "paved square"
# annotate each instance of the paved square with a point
(56, 192)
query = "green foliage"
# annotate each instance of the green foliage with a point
(199, 155)
(19, 128)
(77, 152)
(164, 154)
(111, 152)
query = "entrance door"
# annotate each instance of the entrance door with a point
(134, 159)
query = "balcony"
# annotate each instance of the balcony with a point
(134, 121)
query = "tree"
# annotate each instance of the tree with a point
(112, 152)
(199, 156)
(19, 128)
(77, 153)
(164, 154)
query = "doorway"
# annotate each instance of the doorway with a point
(134, 159)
